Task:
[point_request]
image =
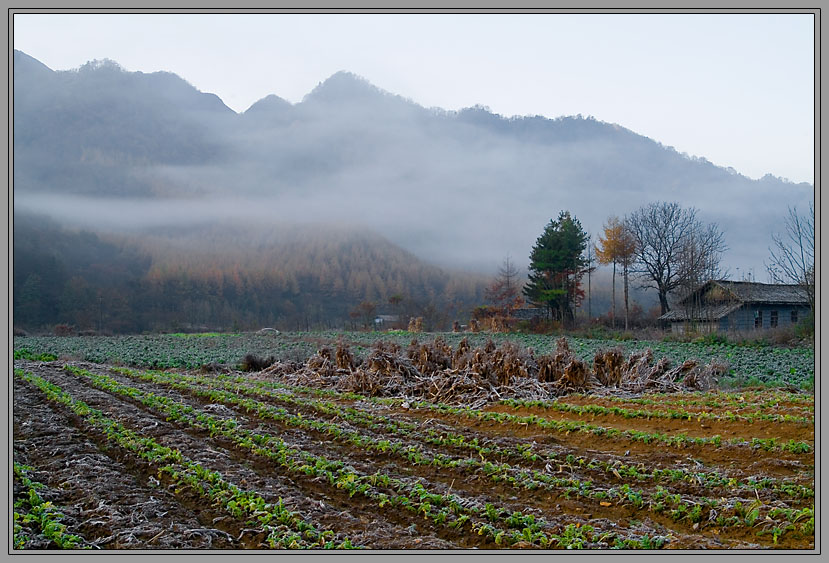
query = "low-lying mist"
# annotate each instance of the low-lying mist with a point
(138, 154)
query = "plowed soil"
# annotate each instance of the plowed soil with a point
(115, 500)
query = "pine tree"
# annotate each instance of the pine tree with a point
(557, 266)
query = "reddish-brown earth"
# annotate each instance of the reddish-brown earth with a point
(114, 500)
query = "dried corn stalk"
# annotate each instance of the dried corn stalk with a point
(607, 366)
(345, 359)
(473, 376)
(575, 376)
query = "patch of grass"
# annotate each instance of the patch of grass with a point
(24, 354)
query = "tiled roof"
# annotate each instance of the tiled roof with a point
(706, 313)
(742, 293)
(752, 292)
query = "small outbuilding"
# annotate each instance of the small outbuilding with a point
(382, 320)
(722, 305)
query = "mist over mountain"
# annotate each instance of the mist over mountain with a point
(121, 152)
(218, 276)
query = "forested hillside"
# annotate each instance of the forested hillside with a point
(290, 276)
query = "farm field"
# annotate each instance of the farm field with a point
(451, 444)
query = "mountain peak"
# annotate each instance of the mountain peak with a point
(102, 65)
(344, 85)
(269, 104)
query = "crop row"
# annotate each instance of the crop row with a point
(680, 414)
(447, 510)
(717, 400)
(676, 440)
(299, 461)
(286, 529)
(674, 505)
(32, 511)
(236, 384)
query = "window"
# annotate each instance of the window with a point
(773, 319)
(794, 316)
(758, 319)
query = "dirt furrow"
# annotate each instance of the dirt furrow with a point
(316, 504)
(110, 504)
(361, 518)
(695, 427)
(599, 478)
(737, 460)
(512, 498)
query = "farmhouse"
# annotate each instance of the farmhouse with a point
(722, 305)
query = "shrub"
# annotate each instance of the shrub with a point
(713, 338)
(806, 327)
(252, 362)
(64, 330)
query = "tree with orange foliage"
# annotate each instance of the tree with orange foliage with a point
(617, 247)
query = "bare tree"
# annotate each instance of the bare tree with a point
(364, 311)
(505, 290)
(590, 269)
(793, 255)
(672, 246)
(699, 262)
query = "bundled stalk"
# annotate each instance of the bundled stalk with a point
(575, 376)
(432, 357)
(467, 375)
(416, 324)
(461, 353)
(607, 365)
(510, 364)
(345, 359)
(323, 363)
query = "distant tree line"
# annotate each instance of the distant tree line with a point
(316, 280)
(662, 245)
(115, 285)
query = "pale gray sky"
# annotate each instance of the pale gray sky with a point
(737, 89)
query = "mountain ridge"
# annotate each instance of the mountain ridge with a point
(422, 176)
(345, 84)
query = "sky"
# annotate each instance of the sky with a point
(737, 89)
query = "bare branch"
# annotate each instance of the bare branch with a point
(674, 249)
(792, 256)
